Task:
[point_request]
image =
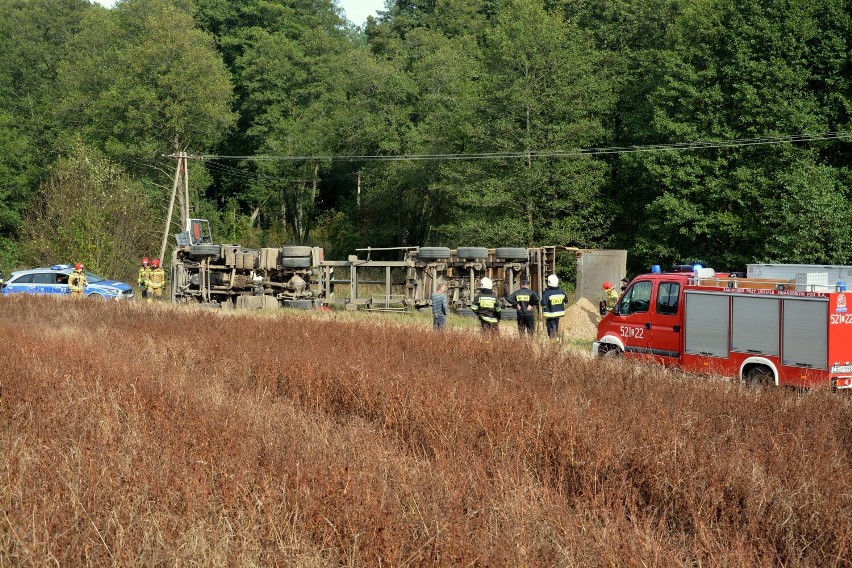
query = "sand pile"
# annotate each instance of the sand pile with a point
(580, 321)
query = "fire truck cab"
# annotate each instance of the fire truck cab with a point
(762, 332)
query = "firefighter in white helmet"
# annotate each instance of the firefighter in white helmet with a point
(553, 302)
(487, 307)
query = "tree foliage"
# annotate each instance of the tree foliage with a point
(90, 211)
(523, 84)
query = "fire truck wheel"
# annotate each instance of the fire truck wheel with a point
(609, 351)
(759, 377)
(433, 253)
(511, 253)
(299, 262)
(472, 253)
(295, 251)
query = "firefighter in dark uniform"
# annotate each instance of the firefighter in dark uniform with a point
(553, 306)
(525, 302)
(487, 307)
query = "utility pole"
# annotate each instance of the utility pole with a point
(181, 170)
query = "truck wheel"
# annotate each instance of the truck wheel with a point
(509, 314)
(465, 313)
(295, 252)
(471, 253)
(433, 253)
(609, 351)
(295, 262)
(297, 304)
(511, 253)
(758, 378)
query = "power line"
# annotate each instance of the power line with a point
(679, 146)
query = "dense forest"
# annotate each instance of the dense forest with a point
(676, 129)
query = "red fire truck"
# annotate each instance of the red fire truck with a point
(763, 332)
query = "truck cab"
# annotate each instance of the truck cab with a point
(647, 320)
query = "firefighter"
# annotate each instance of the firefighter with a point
(156, 281)
(611, 295)
(525, 302)
(487, 307)
(144, 276)
(624, 282)
(77, 281)
(553, 306)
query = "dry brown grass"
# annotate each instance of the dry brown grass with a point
(149, 435)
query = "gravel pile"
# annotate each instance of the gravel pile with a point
(580, 321)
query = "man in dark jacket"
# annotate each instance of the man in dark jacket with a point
(524, 301)
(439, 308)
(487, 307)
(553, 303)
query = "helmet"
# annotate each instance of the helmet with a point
(486, 283)
(155, 263)
(525, 280)
(552, 280)
(78, 266)
(607, 285)
(145, 261)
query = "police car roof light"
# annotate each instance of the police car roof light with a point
(60, 266)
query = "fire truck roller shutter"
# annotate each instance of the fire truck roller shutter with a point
(805, 329)
(756, 325)
(706, 324)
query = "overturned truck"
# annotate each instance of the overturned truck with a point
(230, 275)
(403, 278)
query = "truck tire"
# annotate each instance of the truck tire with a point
(295, 252)
(433, 253)
(296, 262)
(511, 253)
(509, 314)
(465, 313)
(205, 250)
(759, 378)
(297, 304)
(472, 253)
(609, 351)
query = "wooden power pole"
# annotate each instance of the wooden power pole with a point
(181, 172)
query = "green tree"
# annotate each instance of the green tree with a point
(142, 80)
(90, 211)
(543, 93)
(744, 70)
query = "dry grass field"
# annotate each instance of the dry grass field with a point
(151, 435)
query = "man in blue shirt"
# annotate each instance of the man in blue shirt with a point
(439, 308)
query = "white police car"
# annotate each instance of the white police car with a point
(54, 280)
